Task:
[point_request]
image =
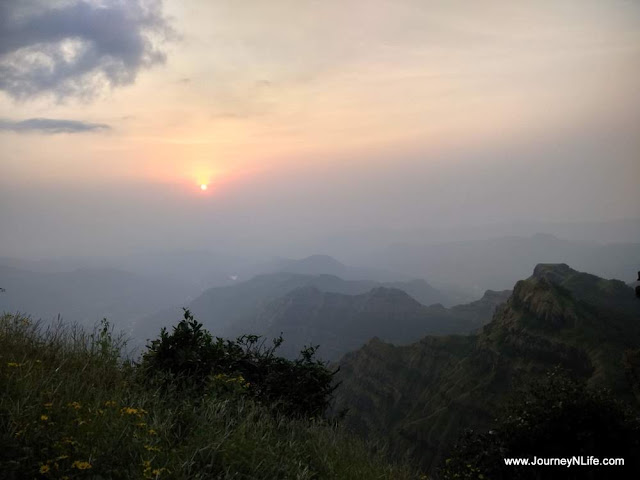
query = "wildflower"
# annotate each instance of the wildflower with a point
(44, 418)
(81, 465)
(146, 463)
(141, 424)
(14, 364)
(152, 432)
(129, 411)
(109, 403)
(158, 471)
(45, 469)
(74, 405)
(100, 411)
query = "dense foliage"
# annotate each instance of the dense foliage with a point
(192, 356)
(556, 417)
(71, 407)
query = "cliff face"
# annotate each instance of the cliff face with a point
(422, 395)
(480, 312)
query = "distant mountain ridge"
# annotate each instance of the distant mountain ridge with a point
(337, 314)
(497, 263)
(320, 264)
(420, 396)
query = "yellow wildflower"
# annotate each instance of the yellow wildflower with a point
(13, 364)
(44, 418)
(158, 471)
(81, 465)
(109, 403)
(74, 405)
(152, 432)
(45, 469)
(129, 411)
(141, 424)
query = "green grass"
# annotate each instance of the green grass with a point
(71, 407)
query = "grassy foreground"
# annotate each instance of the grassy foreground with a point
(71, 407)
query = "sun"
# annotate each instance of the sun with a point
(203, 187)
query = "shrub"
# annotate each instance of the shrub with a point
(191, 356)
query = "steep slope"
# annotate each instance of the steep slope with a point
(422, 395)
(480, 311)
(226, 311)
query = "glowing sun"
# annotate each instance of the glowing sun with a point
(203, 187)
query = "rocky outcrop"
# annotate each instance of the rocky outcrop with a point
(421, 396)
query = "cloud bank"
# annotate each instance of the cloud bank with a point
(51, 125)
(77, 48)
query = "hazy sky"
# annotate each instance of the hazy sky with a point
(309, 118)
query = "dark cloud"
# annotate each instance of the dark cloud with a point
(77, 47)
(51, 125)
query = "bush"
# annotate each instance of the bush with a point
(189, 355)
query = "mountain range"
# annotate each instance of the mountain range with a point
(339, 315)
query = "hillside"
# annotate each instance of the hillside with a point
(421, 396)
(230, 309)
